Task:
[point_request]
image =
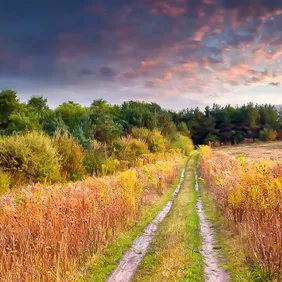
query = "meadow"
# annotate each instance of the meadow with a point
(246, 184)
(79, 183)
(47, 232)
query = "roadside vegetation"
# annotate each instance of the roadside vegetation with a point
(248, 193)
(232, 247)
(104, 261)
(49, 232)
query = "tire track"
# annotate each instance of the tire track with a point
(213, 272)
(128, 265)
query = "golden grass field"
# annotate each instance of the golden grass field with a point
(245, 181)
(271, 150)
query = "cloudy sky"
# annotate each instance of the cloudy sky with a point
(178, 53)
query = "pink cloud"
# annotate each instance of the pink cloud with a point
(274, 55)
(236, 72)
(200, 33)
(209, 2)
(168, 8)
(148, 63)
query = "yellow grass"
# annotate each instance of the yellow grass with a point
(249, 192)
(270, 150)
(46, 233)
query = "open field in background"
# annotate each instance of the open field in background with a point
(269, 150)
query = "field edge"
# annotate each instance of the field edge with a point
(233, 250)
(101, 264)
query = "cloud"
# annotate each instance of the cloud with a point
(274, 83)
(86, 72)
(168, 8)
(150, 84)
(148, 63)
(107, 73)
(172, 47)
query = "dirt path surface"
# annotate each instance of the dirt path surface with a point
(213, 273)
(127, 267)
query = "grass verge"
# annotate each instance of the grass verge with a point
(235, 258)
(105, 261)
(174, 253)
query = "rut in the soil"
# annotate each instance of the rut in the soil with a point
(127, 267)
(213, 272)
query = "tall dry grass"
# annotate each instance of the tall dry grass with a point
(47, 233)
(250, 193)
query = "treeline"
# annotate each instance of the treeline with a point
(232, 125)
(40, 144)
(104, 122)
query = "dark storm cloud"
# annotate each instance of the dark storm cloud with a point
(178, 46)
(268, 4)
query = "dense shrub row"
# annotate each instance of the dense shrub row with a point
(35, 157)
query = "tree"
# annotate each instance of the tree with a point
(8, 103)
(183, 129)
(71, 113)
(23, 119)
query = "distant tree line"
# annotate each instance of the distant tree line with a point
(104, 122)
(232, 125)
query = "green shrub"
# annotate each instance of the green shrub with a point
(183, 143)
(96, 155)
(268, 134)
(29, 157)
(140, 133)
(5, 181)
(71, 156)
(129, 149)
(156, 142)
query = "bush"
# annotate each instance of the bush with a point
(140, 133)
(129, 148)
(272, 135)
(156, 142)
(71, 157)
(183, 143)
(96, 155)
(29, 157)
(268, 134)
(5, 181)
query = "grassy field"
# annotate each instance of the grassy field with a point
(104, 261)
(233, 248)
(269, 150)
(246, 191)
(50, 232)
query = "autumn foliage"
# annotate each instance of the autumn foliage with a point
(249, 192)
(47, 232)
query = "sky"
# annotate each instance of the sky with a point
(178, 53)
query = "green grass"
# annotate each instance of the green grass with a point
(235, 257)
(105, 261)
(174, 253)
